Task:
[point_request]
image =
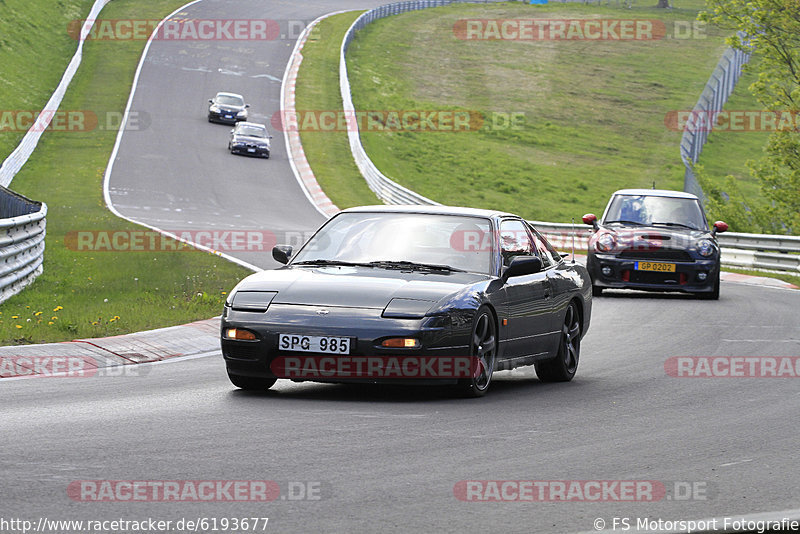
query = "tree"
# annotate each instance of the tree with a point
(771, 30)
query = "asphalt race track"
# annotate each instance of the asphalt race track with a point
(388, 459)
(173, 169)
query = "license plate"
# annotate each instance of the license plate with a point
(324, 344)
(228, 116)
(654, 266)
(251, 149)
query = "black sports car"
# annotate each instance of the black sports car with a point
(409, 294)
(250, 139)
(228, 108)
(654, 240)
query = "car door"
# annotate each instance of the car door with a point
(527, 298)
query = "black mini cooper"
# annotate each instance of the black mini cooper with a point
(654, 240)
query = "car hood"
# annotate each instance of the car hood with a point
(225, 107)
(362, 287)
(670, 237)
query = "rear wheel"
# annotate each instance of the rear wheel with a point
(483, 349)
(562, 368)
(251, 383)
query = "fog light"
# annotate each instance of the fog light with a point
(606, 271)
(702, 276)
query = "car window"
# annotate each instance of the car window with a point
(460, 242)
(514, 240)
(655, 210)
(547, 252)
(227, 100)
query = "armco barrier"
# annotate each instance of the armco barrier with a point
(14, 162)
(22, 221)
(22, 232)
(389, 191)
(716, 92)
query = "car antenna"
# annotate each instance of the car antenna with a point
(573, 240)
(654, 184)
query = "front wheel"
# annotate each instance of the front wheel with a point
(562, 368)
(714, 293)
(483, 350)
(251, 383)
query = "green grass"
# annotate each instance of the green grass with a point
(328, 152)
(594, 111)
(35, 48)
(87, 294)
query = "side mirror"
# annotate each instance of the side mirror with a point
(522, 265)
(210, 100)
(233, 130)
(591, 220)
(247, 105)
(282, 253)
(719, 227)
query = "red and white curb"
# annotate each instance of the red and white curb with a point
(294, 147)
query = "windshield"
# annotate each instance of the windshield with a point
(403, 237)
(252, 131)
(227, 100)
(655, 211)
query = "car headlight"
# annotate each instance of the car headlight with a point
(242, 113)
(605, 243)
(252, 301)
(214, 109)
(706, 247)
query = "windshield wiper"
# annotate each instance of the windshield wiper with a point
(675, 224)
(624, 222)
(390, 264)
(331, 262)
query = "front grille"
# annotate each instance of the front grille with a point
(243, 351)
(655, 254)
(649, 277)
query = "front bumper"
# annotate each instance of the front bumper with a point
(365, 328)
(698, 276)
(225, 117)
(245, 150)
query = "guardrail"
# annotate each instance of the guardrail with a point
(746, 251)
(23, 221)
(389, 191)
(22, 232)
(704, 114)
(14, 162)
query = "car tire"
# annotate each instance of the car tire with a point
(562, 368)
(251, 383)
(596, 291)
(483, 347)
(714, 293)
